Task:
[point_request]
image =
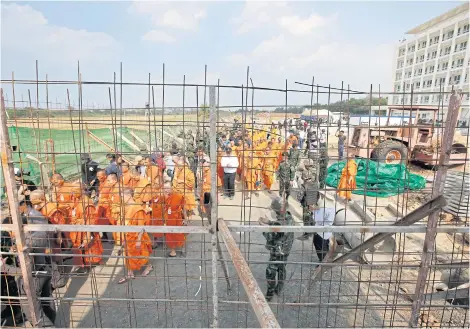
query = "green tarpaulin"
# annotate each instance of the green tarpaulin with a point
(377, 179)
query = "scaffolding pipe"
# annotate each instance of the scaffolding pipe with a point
(261, 307)
(439, 183)
(10, 185)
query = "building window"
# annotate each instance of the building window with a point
(458, 63)
(465, 80)
(409, 75)
(431, 69)
(417, 85)
(450, 34)
(407, 86)
(445, 51)
(465, 28)
(436, 39)
(434, 54)
(445, 66)
(429, 83)
(458, 31)
(463, 45)
(421, 59)
(426, 99)
(457, 79)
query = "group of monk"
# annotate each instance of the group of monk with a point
(259, 155)
(133, 199)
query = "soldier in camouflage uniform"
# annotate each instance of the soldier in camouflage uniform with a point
(309, 193)
(323, 166)
(279, 245)
(285, 175)
(294, 156)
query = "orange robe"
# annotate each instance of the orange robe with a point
(220, 170)
(84, 213)
(347, 182)
(154, 176)
(57, 216)
(183, 183)
(174, 209)
(158, 216)
(63, 196)
(252, 169)
(135, 215)
(269, 167)
(281, 148)
(128, 181)
(103, 208)
(206, 184)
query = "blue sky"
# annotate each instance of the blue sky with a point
(348, 41)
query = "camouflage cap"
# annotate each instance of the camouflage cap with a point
(276, 205)
(308, 162)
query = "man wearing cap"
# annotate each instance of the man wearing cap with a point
(285, 175)
(230, 164)
(89, 170)
(279, 245)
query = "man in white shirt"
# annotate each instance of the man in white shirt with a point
(301, 138)
(322, 216)
(230, 164)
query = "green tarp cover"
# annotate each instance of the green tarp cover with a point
(377, 179)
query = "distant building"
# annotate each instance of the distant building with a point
(434, 57)
(316, 114)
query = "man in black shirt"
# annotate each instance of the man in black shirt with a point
(89, 170)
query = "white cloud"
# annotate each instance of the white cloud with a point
(175, 15)
(298, 26)
(158, 36)
(257, 14)
(26, 31)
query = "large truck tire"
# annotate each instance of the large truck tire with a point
(390, 152)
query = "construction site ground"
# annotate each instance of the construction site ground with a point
(330, 300)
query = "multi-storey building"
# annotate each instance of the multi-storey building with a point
(433, 58)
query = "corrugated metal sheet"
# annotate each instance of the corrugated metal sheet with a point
(457, 193)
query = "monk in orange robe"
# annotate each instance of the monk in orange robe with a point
(127, 179)
(153, 173)
(115, 205)
(269, 168)
(176, 216)
(281, 148)
(62, 194)
(252, 174)
(103, 207)
(183, 183)
(86, 244)
(135, 244)
(347, 182)
(220, 170)
(150, 198)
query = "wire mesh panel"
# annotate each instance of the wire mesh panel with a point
(344, 208)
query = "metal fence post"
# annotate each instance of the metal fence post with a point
(10, 184)
(439, 183)
(214, 203)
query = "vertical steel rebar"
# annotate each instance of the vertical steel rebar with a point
(214, 204)
(430, 238)
(23, 254)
